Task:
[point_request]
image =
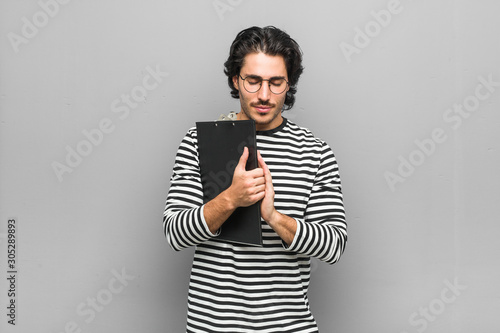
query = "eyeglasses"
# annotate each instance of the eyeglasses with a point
(253, 83)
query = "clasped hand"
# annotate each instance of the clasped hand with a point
(248, 187)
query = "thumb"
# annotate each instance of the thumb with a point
(243, 159)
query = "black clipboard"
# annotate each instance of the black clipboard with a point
(220, 145)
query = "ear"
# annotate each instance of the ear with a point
(235, 82)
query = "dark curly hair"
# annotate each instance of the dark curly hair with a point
(271, 41)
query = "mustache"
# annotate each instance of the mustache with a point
(262, 103)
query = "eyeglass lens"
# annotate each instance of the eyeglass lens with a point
(253, 84)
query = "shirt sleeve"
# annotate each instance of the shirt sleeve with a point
(183, 220)
(322, 233)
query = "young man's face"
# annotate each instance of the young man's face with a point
(263, 106)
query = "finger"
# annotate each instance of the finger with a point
(258, 196)
(243, 159)
(256, 173)
(269, 188)
(260, 188)
(259, 181)
(265, 168)
(260, 160)
(268, 178)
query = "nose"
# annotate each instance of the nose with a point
(264, 92)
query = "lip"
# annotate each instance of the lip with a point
(262, 109)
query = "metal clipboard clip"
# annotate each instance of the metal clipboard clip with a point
(230, 116)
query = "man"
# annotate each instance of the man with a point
(236, 288)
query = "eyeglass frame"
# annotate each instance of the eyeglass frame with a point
(262, 80)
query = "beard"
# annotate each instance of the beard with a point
(261, 119)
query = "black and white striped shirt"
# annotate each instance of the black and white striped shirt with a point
(237, 288)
